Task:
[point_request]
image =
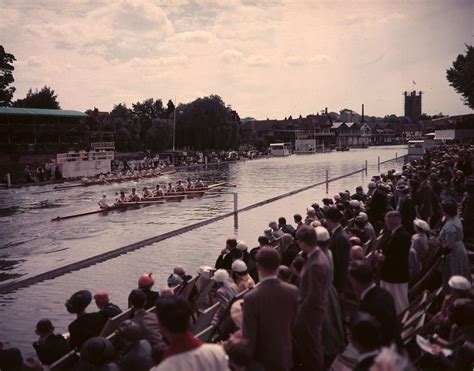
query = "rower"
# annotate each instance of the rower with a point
(180, 187)
(122, 198)
(159, 191)
(199, 184)
(146, 193)
(189, 184)
(101, 177)
(134, 197)
(170, 188)
(103, 202)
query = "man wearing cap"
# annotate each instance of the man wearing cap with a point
(406, 207)
(313, 299)
(50, 346)
(269, 313)
(393, 255)
(340, 247)
(107, 309)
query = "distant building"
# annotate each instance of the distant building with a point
(412, 105)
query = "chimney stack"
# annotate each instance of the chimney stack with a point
(326, 110)
(363, 117)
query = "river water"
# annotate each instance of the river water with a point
(30, 243)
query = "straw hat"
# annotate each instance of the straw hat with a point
(459, 283)
(424, 226)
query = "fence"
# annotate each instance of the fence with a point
(9, 287)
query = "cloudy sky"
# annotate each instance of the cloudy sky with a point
(266, 58)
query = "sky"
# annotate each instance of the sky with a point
(265, 58)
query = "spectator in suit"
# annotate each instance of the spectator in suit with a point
(86, 325)
(185, 351)
(313, 297)
(298, 221)
(252, 267)
(148, 323)
(228, 255)
(425, 197)
(286, 228)
(340, 247)
(50, 346)
(375, 300)
(366, 334)
(393, 255)
(377, 207)
(406, 207)
(269, 313)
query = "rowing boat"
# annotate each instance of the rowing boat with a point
(113, 180)
(178, 196)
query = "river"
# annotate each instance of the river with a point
(30, 243)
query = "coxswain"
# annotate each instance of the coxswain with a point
(146, 193)
(122, 198)
(199, 184)
(180, 186)
(170, 188)
(159, 191)
(189, 184)
(103, 202)
(134, 197)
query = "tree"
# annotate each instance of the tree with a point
(45, 98)
(6, 77)
(461, 76)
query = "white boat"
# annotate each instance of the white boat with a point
(280, 149)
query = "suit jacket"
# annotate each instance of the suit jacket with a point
(425, 197)
(51, 349)
(396, 248)
(150, 329)
(340, 247)
(269, 312)
(225, 261)
(407, 210)
(379, 303)
(85, 327)
(365, 364)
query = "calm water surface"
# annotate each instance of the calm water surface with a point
(30, 243)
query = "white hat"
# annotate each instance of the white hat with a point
(459, 283)
(241, 246)
(322, 234)
(337, 197)
(221, 276)
(310, 210)
(363, 216)
(316, 223)
(397, 173)
(239, 266)
(424, 226)
(205, 269)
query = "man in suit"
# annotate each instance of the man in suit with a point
(365, 336)
(393, 254)
(148, 323)
(425, 197)
(313, 299)
(50, 346)
(375, 300)
(269, 313)
(340, 247)
(377, 207)
(228, 255)
(406, 207)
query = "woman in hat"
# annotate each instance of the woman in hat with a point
(419, 246)
(241, 276)
(451, 237)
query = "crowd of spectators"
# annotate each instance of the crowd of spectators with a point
(336, 290)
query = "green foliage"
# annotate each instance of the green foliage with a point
(45, 98)
(6, 77)
(461, 76)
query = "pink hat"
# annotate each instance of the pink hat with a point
(145, 280)
(101, 297)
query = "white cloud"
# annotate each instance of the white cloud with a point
(230, 56)
(257, 60)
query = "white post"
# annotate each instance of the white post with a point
(9, 180)
(236, 208)
(327, 181)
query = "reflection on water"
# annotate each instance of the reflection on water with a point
(31, 243)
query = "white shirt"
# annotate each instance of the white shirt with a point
(362, 296)
(208, 357)
(103, 203)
